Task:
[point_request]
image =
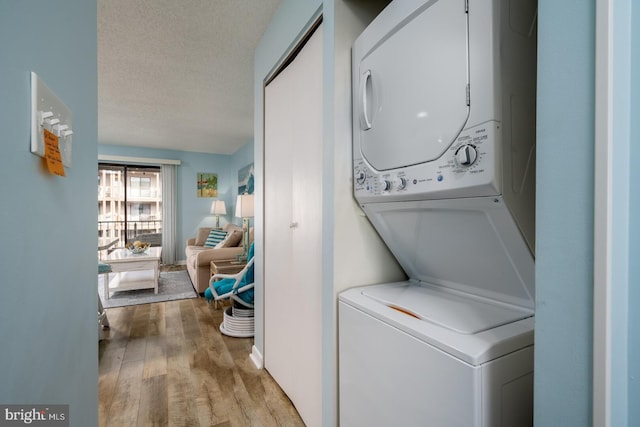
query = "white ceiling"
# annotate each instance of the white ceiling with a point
(178, 74)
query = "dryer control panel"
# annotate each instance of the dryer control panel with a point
(466, 169)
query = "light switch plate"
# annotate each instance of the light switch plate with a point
(49, 112)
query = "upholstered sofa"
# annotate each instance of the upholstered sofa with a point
(199, 256)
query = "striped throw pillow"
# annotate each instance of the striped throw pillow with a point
(215, 237)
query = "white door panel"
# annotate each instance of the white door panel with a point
(293, 226)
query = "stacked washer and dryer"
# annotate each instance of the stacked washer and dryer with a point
(444, 168)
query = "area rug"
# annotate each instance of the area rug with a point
(173, 285)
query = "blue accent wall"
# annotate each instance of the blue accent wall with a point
(192, 211)
(48, 305)
(564, 246)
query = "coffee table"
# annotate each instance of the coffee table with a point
(132, 271)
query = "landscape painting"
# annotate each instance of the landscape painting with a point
(207, 185)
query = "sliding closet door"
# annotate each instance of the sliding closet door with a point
(293, 226)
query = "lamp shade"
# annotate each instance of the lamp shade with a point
(218, 207)
(244, 206)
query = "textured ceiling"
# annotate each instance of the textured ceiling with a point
(178, 74)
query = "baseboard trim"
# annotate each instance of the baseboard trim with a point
(256, 357)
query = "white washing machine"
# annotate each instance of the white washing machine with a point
(444, 168)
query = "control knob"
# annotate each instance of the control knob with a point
(386, 185)
(402, 184)
(466, 155)
(361, 177)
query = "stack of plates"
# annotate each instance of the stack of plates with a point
(237, 322)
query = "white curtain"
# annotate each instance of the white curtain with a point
(169, 203)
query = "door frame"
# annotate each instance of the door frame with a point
(613, 108)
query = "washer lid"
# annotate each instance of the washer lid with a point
(411, 92)
(469, 245)
(452, 310)
(473, 348)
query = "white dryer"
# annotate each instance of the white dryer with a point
(444, 168)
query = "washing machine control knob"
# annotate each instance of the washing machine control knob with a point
(402, 183)
(386, 185)
(361, 177)
(466, 155)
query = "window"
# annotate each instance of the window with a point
(129, 203)
(140, 186)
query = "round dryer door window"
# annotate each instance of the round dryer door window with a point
(413, 89)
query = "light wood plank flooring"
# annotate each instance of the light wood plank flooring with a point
(167, 364)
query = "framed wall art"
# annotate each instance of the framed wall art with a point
(207, 185)
(245, 179)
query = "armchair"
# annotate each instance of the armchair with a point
(236, 287)
(238, 320)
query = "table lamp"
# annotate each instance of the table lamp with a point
(244, 210)
(218, 208)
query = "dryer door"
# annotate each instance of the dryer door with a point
(411, 97)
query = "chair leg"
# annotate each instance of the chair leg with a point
(105, 284)
(102, 315)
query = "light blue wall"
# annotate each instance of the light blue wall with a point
(564, 265)
(634, 228)
(564, 239)
(194, 212)
(48, 325)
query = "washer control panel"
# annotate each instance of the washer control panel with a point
(466, 169)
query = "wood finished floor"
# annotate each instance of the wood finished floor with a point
(166, 364)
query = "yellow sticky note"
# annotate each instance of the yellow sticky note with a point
(52, 154)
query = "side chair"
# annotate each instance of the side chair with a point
(236, 287)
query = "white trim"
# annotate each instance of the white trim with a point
(136, 160)
(602, 216)
(256, 357)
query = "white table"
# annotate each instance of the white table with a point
(132, 271)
